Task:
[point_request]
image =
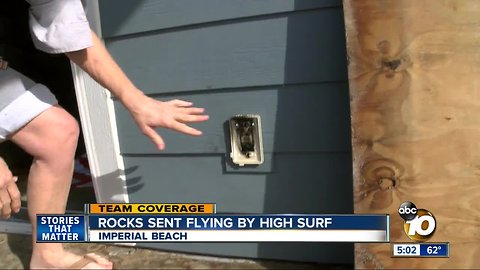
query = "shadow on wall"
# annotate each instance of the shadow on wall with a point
(315, 62)
(122, 13)
(114, 193)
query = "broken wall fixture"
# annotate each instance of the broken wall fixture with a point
(246, 140)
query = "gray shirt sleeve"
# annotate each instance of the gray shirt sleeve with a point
(59, 26)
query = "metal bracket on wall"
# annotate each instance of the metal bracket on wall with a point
(246, 140)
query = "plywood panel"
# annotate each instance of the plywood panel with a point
(134, 16)
(414, 78)
(302, 118)
(271, 51)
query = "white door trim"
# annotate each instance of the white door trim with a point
(97, 117)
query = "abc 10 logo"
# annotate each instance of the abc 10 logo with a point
(419, 224)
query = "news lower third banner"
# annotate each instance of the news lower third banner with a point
(160, 225)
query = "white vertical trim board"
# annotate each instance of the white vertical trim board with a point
(99, 128)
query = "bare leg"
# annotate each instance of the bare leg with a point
(51, 138)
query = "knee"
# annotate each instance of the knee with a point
(52, 136)
(59, 139)
(66, 132)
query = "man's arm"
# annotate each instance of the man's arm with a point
(148, 113)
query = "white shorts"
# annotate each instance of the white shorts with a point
(56, 26)
(21, 100)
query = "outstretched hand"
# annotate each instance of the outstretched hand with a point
(147, 112)
(173, 114)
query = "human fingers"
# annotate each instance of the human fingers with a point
(192, 110)
(180, 103)
(5, 201)
(191, 118)
(5, 179)
(15, 196)
(5, 174)
(181, 127)
(154, 136)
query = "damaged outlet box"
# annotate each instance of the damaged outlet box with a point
(246, 140)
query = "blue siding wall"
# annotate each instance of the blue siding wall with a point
(282, 59)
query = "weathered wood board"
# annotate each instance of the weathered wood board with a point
(414, 78)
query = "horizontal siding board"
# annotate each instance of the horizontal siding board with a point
(282, 59)
(317, 183)
(302, 118)
(274, 51)
(133, 16)
(299, 184)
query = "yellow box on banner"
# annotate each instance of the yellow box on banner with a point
(152, 208)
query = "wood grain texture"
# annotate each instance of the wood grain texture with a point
(414, 79)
